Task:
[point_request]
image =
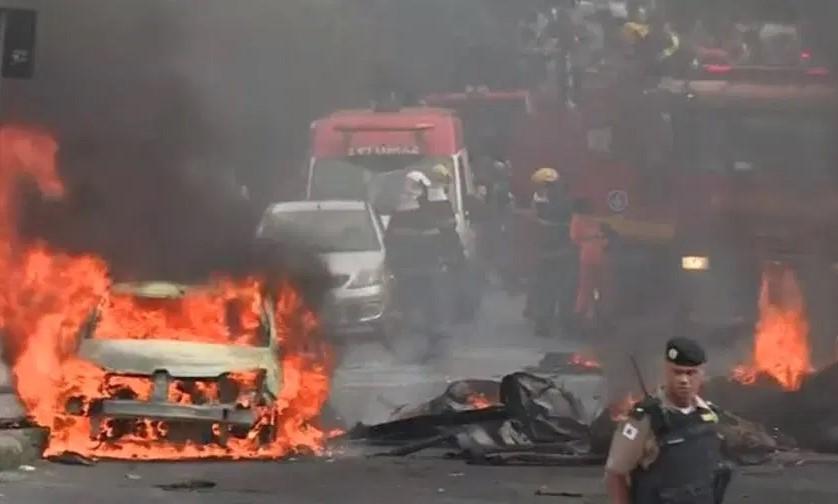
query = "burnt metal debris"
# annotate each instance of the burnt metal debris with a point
(523, 419)
(533, 418)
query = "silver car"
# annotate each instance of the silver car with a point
(349, 237)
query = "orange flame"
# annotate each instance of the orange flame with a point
(581, 361)
(46, 297)
(478, 400)
(781, 343)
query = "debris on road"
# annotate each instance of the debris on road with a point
(534, 419)
(26, 468)
(521, 419)
(546, 492)
(187, 486)
(133, 477)
(72, 458)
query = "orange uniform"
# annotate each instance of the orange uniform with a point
(587, 234)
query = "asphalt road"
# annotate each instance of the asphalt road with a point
(364, 481)
(367, 386)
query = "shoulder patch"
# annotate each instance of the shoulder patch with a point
(630, 431)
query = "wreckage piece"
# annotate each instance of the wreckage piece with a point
(417, 446)
(544, 411)
(426, 426)
(461, 395)
(475, 441)
(764, 399)
(812, 419)
(566, 363)
(541, 459)
(745, 442)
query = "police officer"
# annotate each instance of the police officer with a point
(669, 450)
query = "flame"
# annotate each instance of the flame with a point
(581, 361)
(46, 301)
(478, 400)
(781, 344)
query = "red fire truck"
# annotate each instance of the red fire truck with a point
(717, 173)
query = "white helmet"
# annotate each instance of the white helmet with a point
(418, 178)
(416, 184)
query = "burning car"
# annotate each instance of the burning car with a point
(202, 387)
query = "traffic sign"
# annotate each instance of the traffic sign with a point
(17, 29)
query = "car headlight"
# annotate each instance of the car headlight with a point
(366, 278)
(695, 263)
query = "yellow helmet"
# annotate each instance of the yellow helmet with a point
(441, 173)
(633, 32)
(545, 176)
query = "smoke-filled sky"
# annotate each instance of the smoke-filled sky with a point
(163, 108)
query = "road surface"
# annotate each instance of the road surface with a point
(363, 481)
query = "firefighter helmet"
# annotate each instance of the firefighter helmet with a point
(545, 176)
(441, 173)
(634, 32)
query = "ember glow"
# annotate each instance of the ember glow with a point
(46, 302)
(478, 401)
(581, 361)
(781, 343)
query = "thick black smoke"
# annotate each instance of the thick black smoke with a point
(165, 109)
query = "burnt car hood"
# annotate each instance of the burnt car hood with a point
(181, 359)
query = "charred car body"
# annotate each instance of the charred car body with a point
(183, 389)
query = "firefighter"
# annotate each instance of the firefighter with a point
(589, 236)
(554, 282)
(669, 450)
(422, 246)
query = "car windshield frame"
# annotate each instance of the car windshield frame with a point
(379, 180)
(303, 223)
(757, 141)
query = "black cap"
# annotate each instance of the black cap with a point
(685, 352)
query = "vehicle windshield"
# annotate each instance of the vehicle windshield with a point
(381, 180)
(327, 231)
(782, 144)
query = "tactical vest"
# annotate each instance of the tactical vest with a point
(687, 468)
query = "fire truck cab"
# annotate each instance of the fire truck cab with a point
(366, 154)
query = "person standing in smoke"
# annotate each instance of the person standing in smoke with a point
(553, 286)
(422, 247)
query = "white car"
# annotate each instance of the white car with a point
(349, 237)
